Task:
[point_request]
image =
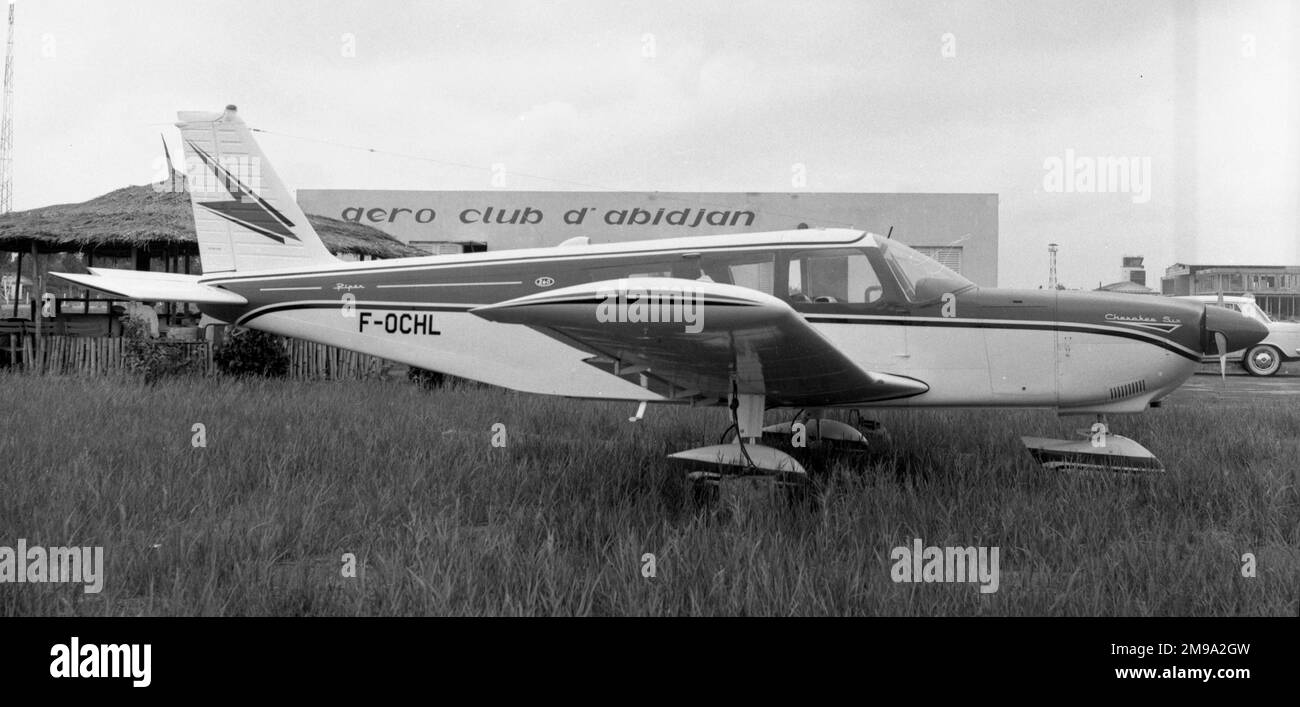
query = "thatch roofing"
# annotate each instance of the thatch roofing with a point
(158, 219)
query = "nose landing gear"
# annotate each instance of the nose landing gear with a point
(1101, 450)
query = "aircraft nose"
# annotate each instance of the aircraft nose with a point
(1240, 331)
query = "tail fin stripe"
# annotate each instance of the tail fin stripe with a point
(242, 189)
(251, 217)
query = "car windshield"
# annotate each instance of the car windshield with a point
(1247, 309)
(922, 279)
(1252, 310)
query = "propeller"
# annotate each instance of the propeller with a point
(1221, 343)
(1224, 331)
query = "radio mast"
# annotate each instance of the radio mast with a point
(1051, 272)
(7, 125)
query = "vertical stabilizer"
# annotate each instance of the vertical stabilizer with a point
(244, 216)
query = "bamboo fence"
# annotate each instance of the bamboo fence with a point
(85, 355)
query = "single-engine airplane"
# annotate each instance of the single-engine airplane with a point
(811, 319)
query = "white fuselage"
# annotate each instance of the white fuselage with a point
(964, 367)
(1079, 352)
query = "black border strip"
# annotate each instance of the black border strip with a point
(1062, 326)
(1135, 336)
(284, 306)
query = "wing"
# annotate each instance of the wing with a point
(690, 339)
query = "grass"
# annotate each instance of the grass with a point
(294, 475)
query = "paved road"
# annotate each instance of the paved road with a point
(1240, 386)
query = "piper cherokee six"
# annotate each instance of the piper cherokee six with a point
(810, 319)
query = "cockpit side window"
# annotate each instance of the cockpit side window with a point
(832, 276)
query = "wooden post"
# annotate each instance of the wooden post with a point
(36, 310)
(90, 263)
(167, 267)
(18, 282)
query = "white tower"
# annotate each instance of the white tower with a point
(1051, 272)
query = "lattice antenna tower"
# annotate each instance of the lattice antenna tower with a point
(7, 125)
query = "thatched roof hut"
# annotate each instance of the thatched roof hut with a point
(157, 219)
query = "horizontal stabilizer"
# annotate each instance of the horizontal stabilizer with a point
(151, 286)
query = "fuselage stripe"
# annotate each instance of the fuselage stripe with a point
(1072, 327)
(448, 284)
(864, 320)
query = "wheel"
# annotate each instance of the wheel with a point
(1262, 360)
(426, 379)
(705, 488)
(796, 489)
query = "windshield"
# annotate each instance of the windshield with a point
(922, 279)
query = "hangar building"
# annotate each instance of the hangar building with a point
(959, 230)
(1276, 288)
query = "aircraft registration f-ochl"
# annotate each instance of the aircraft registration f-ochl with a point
(810, 319)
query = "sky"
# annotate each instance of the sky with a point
(1191, 107)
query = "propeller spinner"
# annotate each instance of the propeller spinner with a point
(1224, 331)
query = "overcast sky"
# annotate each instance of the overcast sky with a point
(1200, 99)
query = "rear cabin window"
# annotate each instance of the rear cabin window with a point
(755, 271)
(633, 269)
(745, 269)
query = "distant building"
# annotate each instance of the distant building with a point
(1276, 288)
(7, 293)
(1127, 288)
(1133, 270)
(1133, 279)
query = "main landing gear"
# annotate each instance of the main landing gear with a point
(743, 458)
(747, 458)
(1100, 450)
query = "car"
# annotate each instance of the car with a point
(1266, 357)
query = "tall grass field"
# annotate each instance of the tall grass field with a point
(295, 477)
